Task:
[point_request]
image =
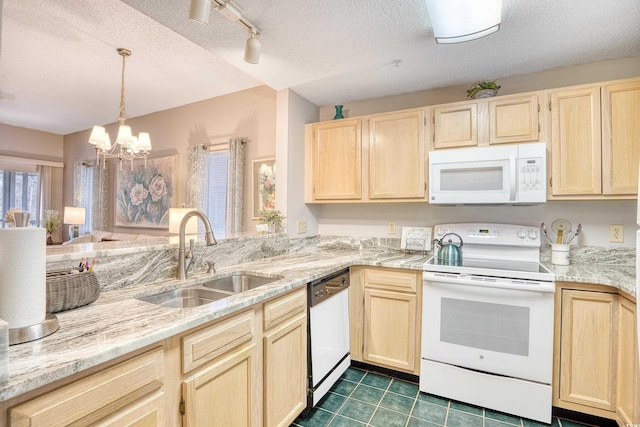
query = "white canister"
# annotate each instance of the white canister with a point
(560, 254)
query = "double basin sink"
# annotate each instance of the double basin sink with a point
(208, 292)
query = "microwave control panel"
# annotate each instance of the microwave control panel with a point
(531, 173)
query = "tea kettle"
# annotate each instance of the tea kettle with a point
(449, 253)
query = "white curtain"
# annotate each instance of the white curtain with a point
(198, 169)
(50, 194)
(235, 186)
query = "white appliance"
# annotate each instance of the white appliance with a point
(487, 325)
(509, 174)
(328, 336)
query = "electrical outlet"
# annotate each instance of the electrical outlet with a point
(392, 227)
(616, 233)
(302, 227)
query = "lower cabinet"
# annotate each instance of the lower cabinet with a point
(596, 353)
(248, 369)
(130, 393)
(384, 316)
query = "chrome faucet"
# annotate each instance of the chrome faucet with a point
(183, 266)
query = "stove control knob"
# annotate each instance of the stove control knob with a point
(522, 233)
(533, 234)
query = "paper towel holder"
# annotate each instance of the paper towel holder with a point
(35, 332)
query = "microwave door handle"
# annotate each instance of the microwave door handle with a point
(514, 178)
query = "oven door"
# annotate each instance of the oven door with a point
(499, 326)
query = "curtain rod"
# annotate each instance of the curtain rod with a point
(243, 141)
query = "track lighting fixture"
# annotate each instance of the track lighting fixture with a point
(252, 49)
(200, 10)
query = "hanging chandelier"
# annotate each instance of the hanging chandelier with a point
(127, 147)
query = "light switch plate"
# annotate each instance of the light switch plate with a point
(302, 227)
(616, 233)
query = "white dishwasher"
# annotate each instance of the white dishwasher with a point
(328, 336)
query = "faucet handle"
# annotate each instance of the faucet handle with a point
(212, 267)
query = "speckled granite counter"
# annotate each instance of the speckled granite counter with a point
(117, 323)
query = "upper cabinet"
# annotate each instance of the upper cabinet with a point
(595, 138)
(377, 158)
(334, 160)
(396, 156)
(504, 120)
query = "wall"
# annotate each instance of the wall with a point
(30, 143)
(372, 219)
(250, 113)
(293, 110)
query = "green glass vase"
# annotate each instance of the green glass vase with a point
(338, 113)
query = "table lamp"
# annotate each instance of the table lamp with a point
(74, 217)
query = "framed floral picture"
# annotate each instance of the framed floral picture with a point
(264, 185)
(145, 194)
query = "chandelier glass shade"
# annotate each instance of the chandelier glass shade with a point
(127, 146)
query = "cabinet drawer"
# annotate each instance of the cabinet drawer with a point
(146, 413)
(95, 397)
(404, 281)
(285, 307)
(207, 344)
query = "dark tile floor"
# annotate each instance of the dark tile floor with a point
(361, 398)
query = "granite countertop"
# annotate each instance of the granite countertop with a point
(117, 323)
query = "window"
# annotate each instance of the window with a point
(19, 190)
(216, 193)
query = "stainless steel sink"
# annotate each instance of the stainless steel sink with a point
(240, 282)
(184, 297)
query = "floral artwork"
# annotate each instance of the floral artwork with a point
(264, 185)
(144, 195)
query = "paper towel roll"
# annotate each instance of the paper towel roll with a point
(23, 282)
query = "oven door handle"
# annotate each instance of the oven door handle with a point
(538, 287)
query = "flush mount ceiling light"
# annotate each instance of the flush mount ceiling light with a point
(456, 21)
(129, 147)
(199, 12)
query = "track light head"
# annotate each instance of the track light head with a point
(200, 10)
(252, 49)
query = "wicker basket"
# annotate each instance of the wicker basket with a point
(66, 290)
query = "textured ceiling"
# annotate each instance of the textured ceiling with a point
(59, 70)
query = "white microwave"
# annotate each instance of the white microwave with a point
(508, 174)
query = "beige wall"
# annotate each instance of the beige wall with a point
(30, 143)
(250, 113)
(557, 77)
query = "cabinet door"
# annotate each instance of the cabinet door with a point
(223, 394)
(587, 343)
(285, 372)
(514, 120)
(336, 160)
(455, 126)
(576, 142)
(397, 156)
(620, 138)
(390, 329)
(627, 363)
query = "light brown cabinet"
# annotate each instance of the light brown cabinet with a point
(334, 161)
(378, 158)
(596, 365)
(504, 120)
(385, 317)
(397, 156)
(628, 402)
(222, 389)
(129, 393)
(595, 131)
(285, 358)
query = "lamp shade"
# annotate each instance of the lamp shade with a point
(456, 21)
(124, 136)
(252, 50)
(144, 141)
(97, 136)
(175, 218)
(73, 215)
(200, 10)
